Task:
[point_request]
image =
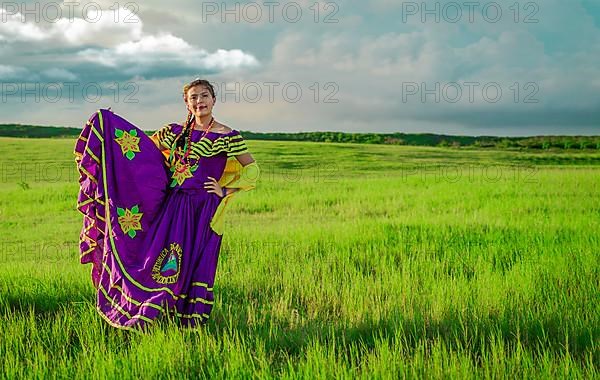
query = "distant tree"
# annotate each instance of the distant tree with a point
(567, 143)
(506, 143)
(393, 141)
(584, 143)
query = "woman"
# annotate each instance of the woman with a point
(153, 210)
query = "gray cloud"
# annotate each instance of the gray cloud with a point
(369, 55)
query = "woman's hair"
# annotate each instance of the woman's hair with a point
(180, 142)
(198, 82)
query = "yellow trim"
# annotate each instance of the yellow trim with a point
(89, 151)
(201, 300)
(110, 230)
(99, 217)
(94, 199)
(190, 316)
(92, 247)
(203, 285)
(136, 302)
(89, 175)
(90, 226)
(89, 200)
(147, 303)
(114, 324)
(120, 309)
(98, 134)
(128, 298)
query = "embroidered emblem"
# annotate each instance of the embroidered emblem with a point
(129, 220)
(128, 141)
(168, 264)
(181, 172)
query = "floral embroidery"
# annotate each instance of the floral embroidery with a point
(129, 220)
(128, 141)
(181, 172)
(167, 266)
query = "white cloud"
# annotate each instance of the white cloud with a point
(12, 29)
(369, 62)
(228, 59)
(112, 28)
(118, 42)
(165, 44)
(166, 51)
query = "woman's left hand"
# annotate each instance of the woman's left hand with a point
(212, 186)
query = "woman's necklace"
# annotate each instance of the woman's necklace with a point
(182, 169)
(188, 147)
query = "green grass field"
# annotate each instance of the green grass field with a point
(347, 261)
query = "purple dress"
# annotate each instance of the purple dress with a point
(146, 227)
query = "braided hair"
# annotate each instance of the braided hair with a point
(187, 124)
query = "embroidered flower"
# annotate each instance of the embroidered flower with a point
(181, 172)
(129, 220)
(128, 141)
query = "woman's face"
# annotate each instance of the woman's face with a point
(199, 101)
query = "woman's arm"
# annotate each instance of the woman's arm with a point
(213, 186)
(244, 159)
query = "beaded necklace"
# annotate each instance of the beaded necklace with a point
(182, 170)
(188, 144)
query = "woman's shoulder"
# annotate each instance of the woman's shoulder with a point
(175, 128)
(224, 130)
(172, 128)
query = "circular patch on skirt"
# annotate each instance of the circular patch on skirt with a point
(168, 264)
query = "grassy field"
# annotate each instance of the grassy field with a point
(349, 261)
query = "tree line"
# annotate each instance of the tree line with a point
(412, 139)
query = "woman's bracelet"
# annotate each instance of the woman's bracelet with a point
(224, 192)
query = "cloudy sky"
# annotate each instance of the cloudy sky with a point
(476, 68)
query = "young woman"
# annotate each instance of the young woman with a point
(153, 210)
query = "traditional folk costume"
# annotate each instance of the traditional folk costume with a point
(150, 230)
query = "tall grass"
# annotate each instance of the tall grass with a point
(347, 261)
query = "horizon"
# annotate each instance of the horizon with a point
(323, 131)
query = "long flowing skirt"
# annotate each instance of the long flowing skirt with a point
(151, 247)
